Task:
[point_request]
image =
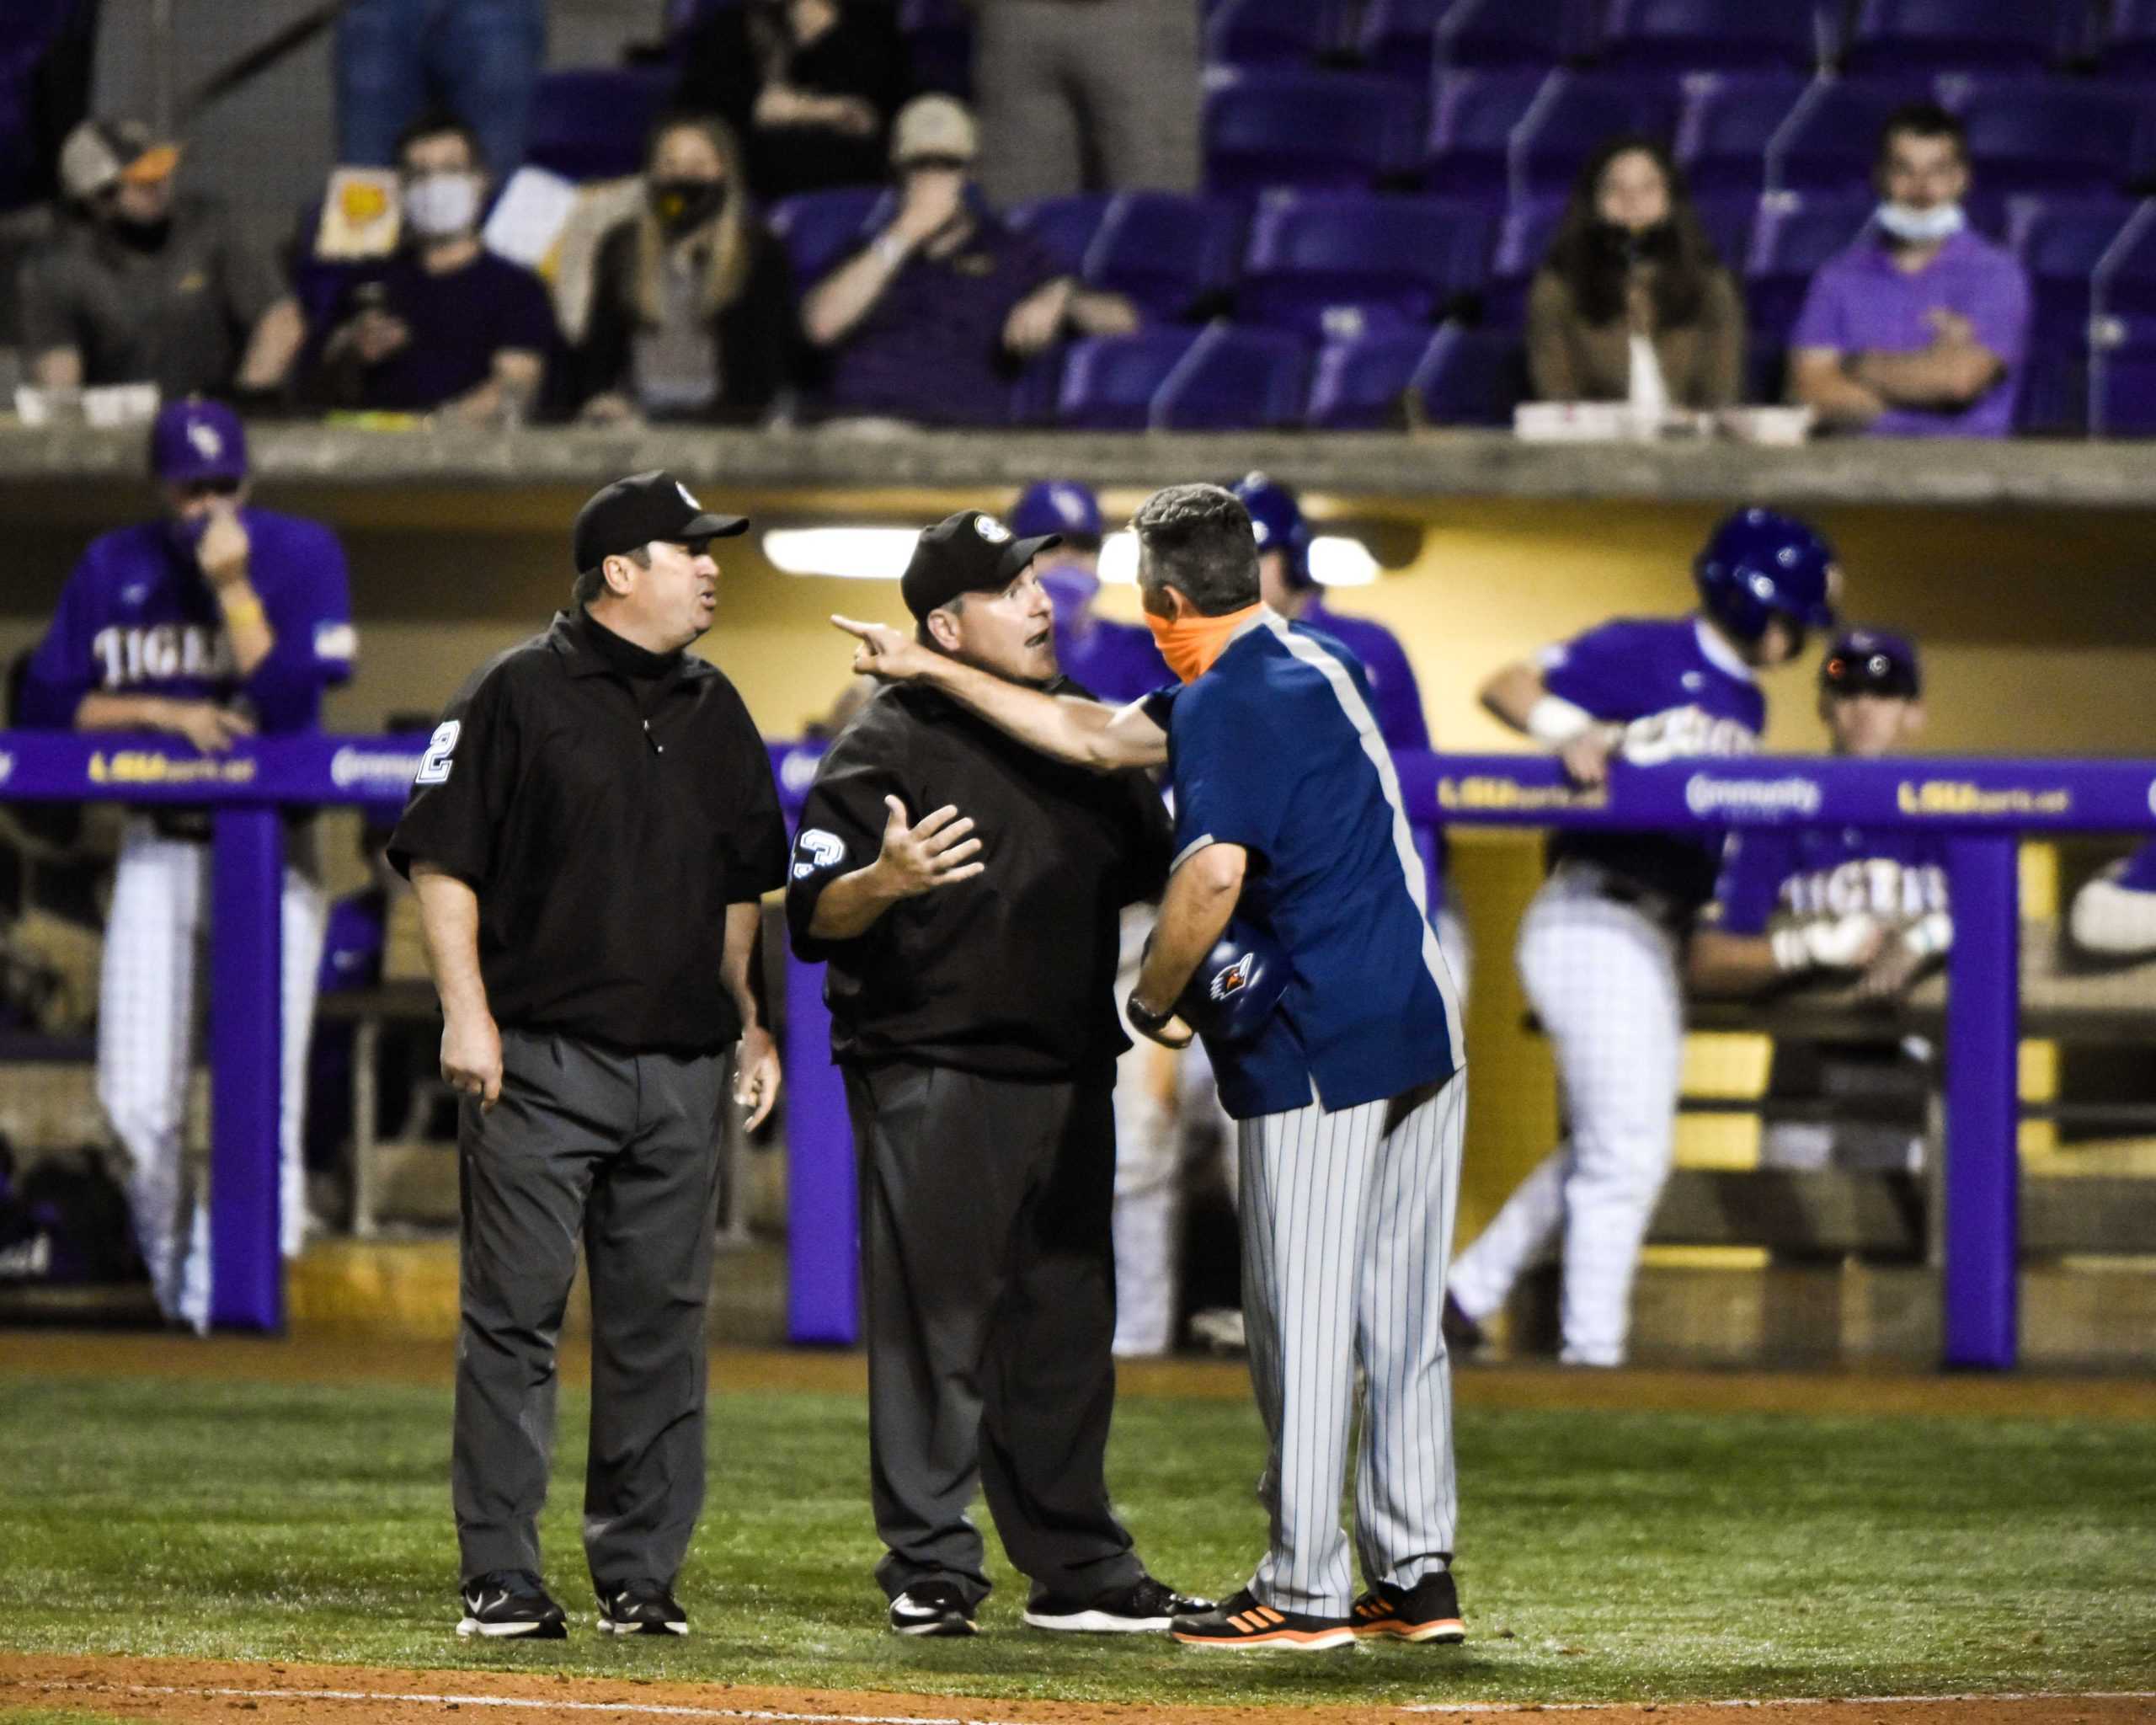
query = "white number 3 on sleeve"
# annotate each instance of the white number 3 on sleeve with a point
(434, 765)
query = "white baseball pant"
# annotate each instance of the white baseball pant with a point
(1603, 977)
(1346, 1228)
(150, 1018)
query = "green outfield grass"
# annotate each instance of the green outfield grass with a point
(1639, 1556)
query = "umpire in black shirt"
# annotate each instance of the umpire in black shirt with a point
(590, 833)
(966, 893)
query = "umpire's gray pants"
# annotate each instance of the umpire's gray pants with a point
(1086, 94)
(619, 1150)
(991, 1309)
(1346, 1223)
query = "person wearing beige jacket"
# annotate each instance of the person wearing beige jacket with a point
(1632, 303)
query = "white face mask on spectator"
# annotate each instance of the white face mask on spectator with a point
(1920, 228)
(442, 205)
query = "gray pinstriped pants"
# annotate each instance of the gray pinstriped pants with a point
(1346, 1226)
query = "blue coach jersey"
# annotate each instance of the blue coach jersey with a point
(136, 617)
(1276, 749)
(1678, 690)
(1837, 871)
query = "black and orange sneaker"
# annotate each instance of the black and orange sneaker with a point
(1429, 1610)
(1240, 1622)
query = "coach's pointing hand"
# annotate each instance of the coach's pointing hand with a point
(471, 1057)
(917, 859)
(883, 652)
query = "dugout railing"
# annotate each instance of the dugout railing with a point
(1981, 807)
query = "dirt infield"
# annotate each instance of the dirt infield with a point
(195, 1692)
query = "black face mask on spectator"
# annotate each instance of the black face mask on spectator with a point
(1637, 245)
(683, 205)
(140, 235)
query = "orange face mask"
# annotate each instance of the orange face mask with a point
(1190, 644)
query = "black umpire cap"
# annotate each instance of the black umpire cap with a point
(630, 512)
(967, 553)
(1872, 662)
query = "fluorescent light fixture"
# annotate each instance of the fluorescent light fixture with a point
(1338, 561)
(1120, 559)
(848, 554)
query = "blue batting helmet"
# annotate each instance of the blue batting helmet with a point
(1872, 662)
(1760, 564)
(1234, 991)
(1057, 506)
(1277, 519)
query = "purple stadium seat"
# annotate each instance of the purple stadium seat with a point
(1235, 380)
(1705, 35)
(1337, 128)
(1066, 225)
(2125, 389)
(1344, 265)
(1472, 120)
(1727, 217)
(1828, 142)
(1270, 32)
(1169, 251)
(1109, 380)
(1926, 37)
(1470, 378)
(590, 123)
(1528, 33)
(2128, 54)
(1398, 37)
(939, 45)
(1359, 384)
(1795, 234)
(2029, 136)
(1523, 237)
(2060, 242)
(2124, 295)
(820, 229)
(1572, 116)
(1728, 120)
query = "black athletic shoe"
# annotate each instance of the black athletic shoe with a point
(1145, 1605)
(1240, 1622)
(1463, 1335)
(640, 1607)
(511, 1602)
(932, 1608)
(1429, 1610)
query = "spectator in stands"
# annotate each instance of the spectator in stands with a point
(1632, 304)
(1080, 95)
(397, 60)
(1918, 330)
(149, 286)
(810, 85)
(692, 305)
(444, 324)
(929, 321)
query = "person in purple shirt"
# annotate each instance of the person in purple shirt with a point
(1118, 662)
(932, 319)
(1796, 904)
(218, 622)
(1918, 330)
(445, 325)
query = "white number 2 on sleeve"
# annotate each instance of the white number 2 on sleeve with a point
(434, 765)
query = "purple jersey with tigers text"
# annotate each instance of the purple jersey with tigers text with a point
(137, 617)
(1678, 690)
(1835, 871)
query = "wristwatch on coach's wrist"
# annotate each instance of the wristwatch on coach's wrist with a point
(1142, 1017)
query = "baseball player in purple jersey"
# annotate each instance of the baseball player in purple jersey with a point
(217, 622)
(2115, 913)
(1798, 903)
(1600, 948)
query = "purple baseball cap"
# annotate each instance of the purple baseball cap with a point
(192, 441)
